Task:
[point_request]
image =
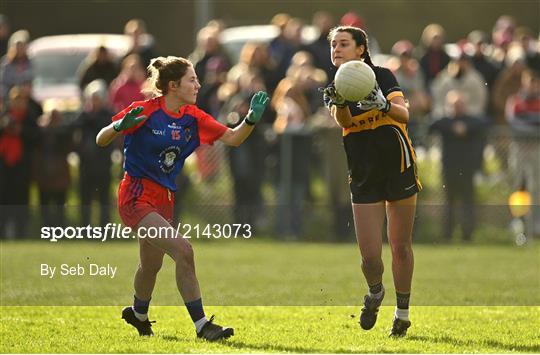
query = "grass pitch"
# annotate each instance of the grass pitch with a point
(304, 329)
(279, 298)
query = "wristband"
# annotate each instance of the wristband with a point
(386, 107)
(343, 105)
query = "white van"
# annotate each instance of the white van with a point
(56, 60)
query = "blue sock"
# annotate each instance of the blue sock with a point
(140, 306)
(195, 309)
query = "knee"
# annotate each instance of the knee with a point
(183, 253)
(371, 262)
(151, 268)
(401, 251)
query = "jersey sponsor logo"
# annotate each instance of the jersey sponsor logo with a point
(173, 125)
(158, 132)
(168, 158)
(187, 134)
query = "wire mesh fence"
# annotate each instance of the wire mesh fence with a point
(294, 186)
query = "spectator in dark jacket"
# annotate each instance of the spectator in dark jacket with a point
(51, 170)
(434, 58)
(461, 157)
(18, 138)
(95, 162)
(98, 65)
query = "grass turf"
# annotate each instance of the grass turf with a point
(279, 297)
(304, 329)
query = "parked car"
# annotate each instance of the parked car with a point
(57, 59)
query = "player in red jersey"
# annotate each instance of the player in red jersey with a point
(160, 133)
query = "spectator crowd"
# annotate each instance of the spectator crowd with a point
(458, 91)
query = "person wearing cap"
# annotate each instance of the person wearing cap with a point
(15, 66)
(435, 58)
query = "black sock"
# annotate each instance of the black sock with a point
(195, 309)
(140, 306)
(375, 288)
(403, 300)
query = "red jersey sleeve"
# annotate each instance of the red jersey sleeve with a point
(149, 106)
(210, 130)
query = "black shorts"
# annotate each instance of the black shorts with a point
(382, 165)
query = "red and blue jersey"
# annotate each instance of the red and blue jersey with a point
(157, 147)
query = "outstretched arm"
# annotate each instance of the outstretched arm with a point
(109, 133)
(235, 137)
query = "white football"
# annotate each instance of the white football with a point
(354, 80)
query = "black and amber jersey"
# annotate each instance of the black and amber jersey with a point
(380, 156)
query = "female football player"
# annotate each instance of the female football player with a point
(160, 133)
(382, 175)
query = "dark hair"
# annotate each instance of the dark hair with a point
(358, 35)
(163, 70)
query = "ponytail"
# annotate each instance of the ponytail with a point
(161, 71)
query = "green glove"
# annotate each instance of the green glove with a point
(256, 109)
(129, 120)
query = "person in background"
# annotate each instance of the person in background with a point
(352, 18)
(246, 162)
(407, 71)
(286, 44)
(525, 39)
(142, 44)
(18, 139)
(319, 49)
(128, 85)
(255, 58)
(508, 83)
(460, 75)
(97, 65)
(523, 114)
(477, 47)
(308, 79)
(462, 137)
(4, 34)
(51, 170)
(434, 57)
(95, 163)
(502, 35)
(15, 66)
(208, 47)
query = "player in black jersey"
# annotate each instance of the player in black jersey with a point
(382, 175)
